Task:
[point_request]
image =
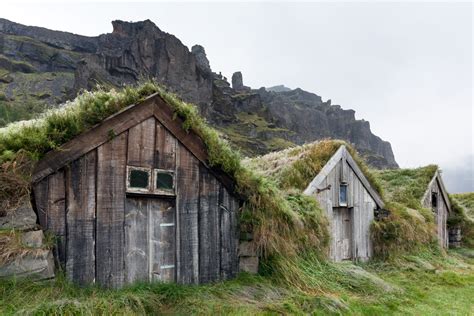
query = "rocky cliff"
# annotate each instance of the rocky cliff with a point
(42, 68)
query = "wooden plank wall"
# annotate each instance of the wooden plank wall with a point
(108, 237)
(80, 219)
(362, 206)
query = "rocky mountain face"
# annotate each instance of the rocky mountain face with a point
(43, 68)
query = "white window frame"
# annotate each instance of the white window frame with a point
(343, 184)
(139, 190)
(164, 191)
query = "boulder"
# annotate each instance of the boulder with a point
(33, 239)
(37, 265)
(248, 264)
(22, 218)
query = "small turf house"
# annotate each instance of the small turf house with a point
(327, 171)
(436, 198)
(133, 199)
(350, 202)
(420, 187)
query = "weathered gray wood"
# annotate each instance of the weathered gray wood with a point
(40, 193)
(141, 144)
(165, 148)
(136, 250)
(188, 206)
(80, 218)
(57, 214)
(110, 211)
(315, 183)
(228, 234)
(162, 240)
(209, 227)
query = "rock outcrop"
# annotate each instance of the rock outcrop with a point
(40, 67)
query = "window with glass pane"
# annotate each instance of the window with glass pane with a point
(164, 180)
(139, 179)
(343, 194)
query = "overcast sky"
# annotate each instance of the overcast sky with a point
(405, 67)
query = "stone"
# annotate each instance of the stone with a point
(37, 265)
(248, 264)
(201, 59)
(33, 239)
(237, 81)
(22, 218)
(247, 249)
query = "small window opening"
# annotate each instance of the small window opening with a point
(343, 194)
(164, 180)
(434, 200)
(138, 179)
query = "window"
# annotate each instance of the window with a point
(343, 194)
(150, 181)
(434, 200)
(138, 179)
(164, 181)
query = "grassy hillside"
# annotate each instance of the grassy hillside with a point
(466, 200)
(426, 284)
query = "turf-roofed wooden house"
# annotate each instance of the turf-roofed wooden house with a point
(133, 199)
(350, 202)
(327, 171)
(425, 186)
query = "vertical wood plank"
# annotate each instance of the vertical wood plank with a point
(162, 240)
(40, 192)
(188, 206)
(57, 214)
(110, 211)
(209, 223)
(228, 242)
(136, 239)
(165, 148)
(141, 144)
(80, 217)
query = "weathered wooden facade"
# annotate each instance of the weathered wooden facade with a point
(436, 198)
(134, 199)
(349, 200)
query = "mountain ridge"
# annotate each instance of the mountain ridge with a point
(41, 67)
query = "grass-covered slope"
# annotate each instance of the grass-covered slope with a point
(425, 284)
(466, 201)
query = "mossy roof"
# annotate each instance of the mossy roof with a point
(406, 186)
(466, 201)
(296, 167)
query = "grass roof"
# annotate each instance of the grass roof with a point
(466, 201)
(296, 167)
(406, 186)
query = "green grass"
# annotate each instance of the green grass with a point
(406, 186)
(466, 200)
(327, 290)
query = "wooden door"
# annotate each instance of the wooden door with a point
(343, 233)
(150, 239)
(162, 240)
